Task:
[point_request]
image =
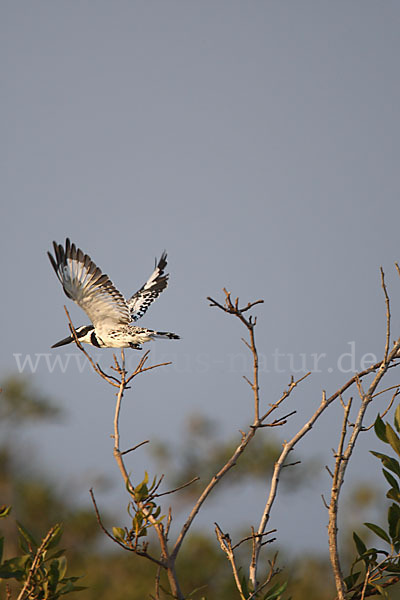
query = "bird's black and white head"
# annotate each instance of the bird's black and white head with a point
(85, 334)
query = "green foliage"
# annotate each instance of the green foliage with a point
(144, 513)
(40, 573)
(275, 593)
(380, 568)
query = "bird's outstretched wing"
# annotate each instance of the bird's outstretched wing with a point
(156, 283)
(85, 284)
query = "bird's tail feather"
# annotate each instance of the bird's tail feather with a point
(166, 334)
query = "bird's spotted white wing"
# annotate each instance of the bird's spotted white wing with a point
(156, 283)
(84, 283)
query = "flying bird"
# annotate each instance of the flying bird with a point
(110, 314)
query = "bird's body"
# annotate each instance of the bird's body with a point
(125, 336)
(108, 310)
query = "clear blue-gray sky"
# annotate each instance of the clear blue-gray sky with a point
(258, 142)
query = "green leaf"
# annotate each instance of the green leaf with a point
(380, 429)
(397, 418)
(153, 485)
(393, 495)
(378, 531)
(351, 580)
(55, 536)
(193, 592)
(392, 568)
(391, 480)
(119, 533)
(361, 547)
(381, 590)
(53, 576)
(57, 554)
(129, 487)
(370, 556)
(394, 521)
(4, 511)
(15, 567)
(142, 533)
(393, 438)
(32, 543)
(62, 566)
(141, 492)
(388, 462)
(276, 591)
(70, 587)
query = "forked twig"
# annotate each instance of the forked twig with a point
(226, 546)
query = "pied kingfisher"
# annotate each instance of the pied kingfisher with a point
(84, 283)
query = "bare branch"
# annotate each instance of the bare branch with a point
(272, 572)
(176, 489)
(292, 385)
(134, 447)
(333, 506)
(252, 537)
(250, 324)
(388, 316)
(280, 420)
(226, 546)
(297, 462)
(381, 367)
(329, 471)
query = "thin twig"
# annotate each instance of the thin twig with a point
(389, 406)
(176, 489)
(333, 506)
(292, 385)
(252, 537)
(280, 420)
(388, 315)
(272, 572)
(226, 546)
(365, 582)
(36, 562)
(135, 447)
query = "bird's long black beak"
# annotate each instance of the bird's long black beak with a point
(63, 342)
